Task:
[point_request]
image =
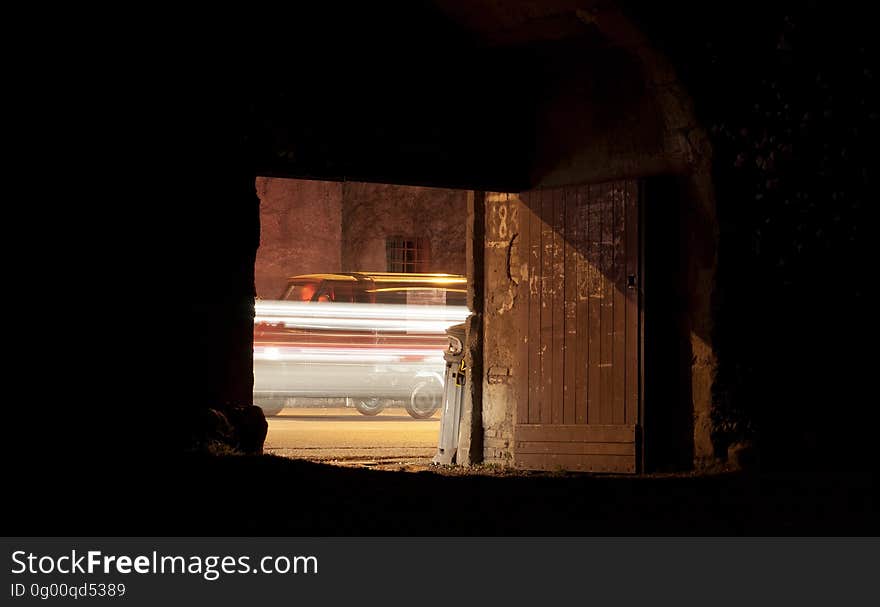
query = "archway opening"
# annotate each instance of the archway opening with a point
(356, 284)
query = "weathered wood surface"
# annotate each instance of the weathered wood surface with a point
(582, 350)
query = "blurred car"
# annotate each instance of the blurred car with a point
(379, 288)
(381, 337)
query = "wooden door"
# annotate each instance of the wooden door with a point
(583, 346)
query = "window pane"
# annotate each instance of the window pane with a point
(405, 254)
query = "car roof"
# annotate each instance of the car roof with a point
(450, 279)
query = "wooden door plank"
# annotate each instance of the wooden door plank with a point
(606, 307)
(534, 291)
(575, 433)
(546, 295)
(558, 344)
(594, 285)
(581, 316)
(618, 275)
(632, 304)
(582, 448)
(570, 280)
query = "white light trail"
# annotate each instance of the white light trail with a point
(360, 317)
(336, 349)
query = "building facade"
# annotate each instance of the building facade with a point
(325, 226)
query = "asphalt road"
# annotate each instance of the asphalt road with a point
(345, 436)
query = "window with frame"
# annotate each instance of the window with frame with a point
(406, 254)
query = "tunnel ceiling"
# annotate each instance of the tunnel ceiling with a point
(500, 23)
(439, 93)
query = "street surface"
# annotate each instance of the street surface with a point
(342, 435)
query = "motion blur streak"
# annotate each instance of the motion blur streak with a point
(350, 350)
(341, 355)
(369, 317)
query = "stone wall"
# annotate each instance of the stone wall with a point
(505, 323)
(327, 226)
(300, 231)
(372, 212)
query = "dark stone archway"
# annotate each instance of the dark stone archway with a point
(488, 98)
(199, 110)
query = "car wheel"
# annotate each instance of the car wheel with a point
(271, 406)
(425, 400)
(368, 406)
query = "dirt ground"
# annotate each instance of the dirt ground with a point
(276, 496)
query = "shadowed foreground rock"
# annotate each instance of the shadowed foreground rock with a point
(230, 428)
